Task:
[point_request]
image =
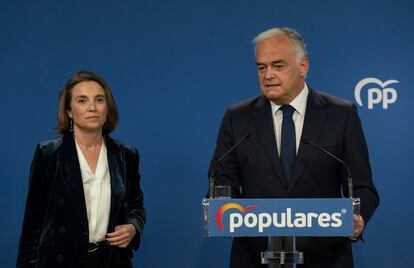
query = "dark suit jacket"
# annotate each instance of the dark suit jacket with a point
(255, 167)
(55, 226)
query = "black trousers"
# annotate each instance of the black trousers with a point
(96, 254)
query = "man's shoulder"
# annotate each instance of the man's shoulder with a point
(318, 97)
(330, 100)
(247, 104)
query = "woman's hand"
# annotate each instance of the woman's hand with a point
(122, 236)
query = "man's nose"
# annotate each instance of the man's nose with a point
(270, 74)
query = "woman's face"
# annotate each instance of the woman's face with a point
(88, 107)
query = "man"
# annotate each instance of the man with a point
(274, 163)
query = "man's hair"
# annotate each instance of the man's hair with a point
(65, 97)
(295, 37)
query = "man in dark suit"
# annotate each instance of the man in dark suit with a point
(273, 163)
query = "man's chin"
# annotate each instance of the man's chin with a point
(273, 96)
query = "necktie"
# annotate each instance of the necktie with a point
(288, 141)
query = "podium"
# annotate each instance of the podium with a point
(281, 220)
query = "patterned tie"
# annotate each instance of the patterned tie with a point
(288, 142)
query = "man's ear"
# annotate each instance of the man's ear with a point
(304, 67)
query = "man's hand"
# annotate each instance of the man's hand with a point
(122, 236)
(358, 226)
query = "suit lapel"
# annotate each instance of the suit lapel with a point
(70, 169)
(72, 179)
(117, 171)
(315, 119)
(262, 118)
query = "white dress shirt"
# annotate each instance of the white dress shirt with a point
(97, 189)
(299, 103)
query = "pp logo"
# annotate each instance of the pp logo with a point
(375, 95)
(224, 208)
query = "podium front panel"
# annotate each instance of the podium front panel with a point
(278, 217)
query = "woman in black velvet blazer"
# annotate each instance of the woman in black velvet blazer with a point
(55, 228)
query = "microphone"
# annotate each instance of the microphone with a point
(349, 178)
(213, 169)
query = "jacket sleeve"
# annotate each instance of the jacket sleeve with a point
(134, 202)
(34, 212)
(356, 155)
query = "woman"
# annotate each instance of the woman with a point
(85, 204)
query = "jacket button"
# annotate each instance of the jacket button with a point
(59, 257)
(61, 201)
(62, 229)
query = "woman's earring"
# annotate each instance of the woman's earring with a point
(70, 124)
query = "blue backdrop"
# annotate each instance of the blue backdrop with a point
(174, 66)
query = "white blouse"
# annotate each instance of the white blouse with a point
(97, 189)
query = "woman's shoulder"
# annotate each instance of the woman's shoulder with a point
(50, 146)
(117, 145)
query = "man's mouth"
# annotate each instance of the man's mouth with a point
(272, 85)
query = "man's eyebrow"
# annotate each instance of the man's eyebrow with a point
(278, 61)
(272, 63)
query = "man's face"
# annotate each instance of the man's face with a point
(281, 75)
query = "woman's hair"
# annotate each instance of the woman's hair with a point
(65, 97)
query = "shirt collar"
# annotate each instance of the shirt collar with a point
(299, 103)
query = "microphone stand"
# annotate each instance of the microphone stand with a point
(213, 169)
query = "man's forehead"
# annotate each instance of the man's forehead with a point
(274, 50)
(275, 41)
(272, 62)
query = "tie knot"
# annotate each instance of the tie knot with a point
(287, 110)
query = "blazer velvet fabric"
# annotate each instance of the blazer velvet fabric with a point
(255, 167)
(55, 226)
